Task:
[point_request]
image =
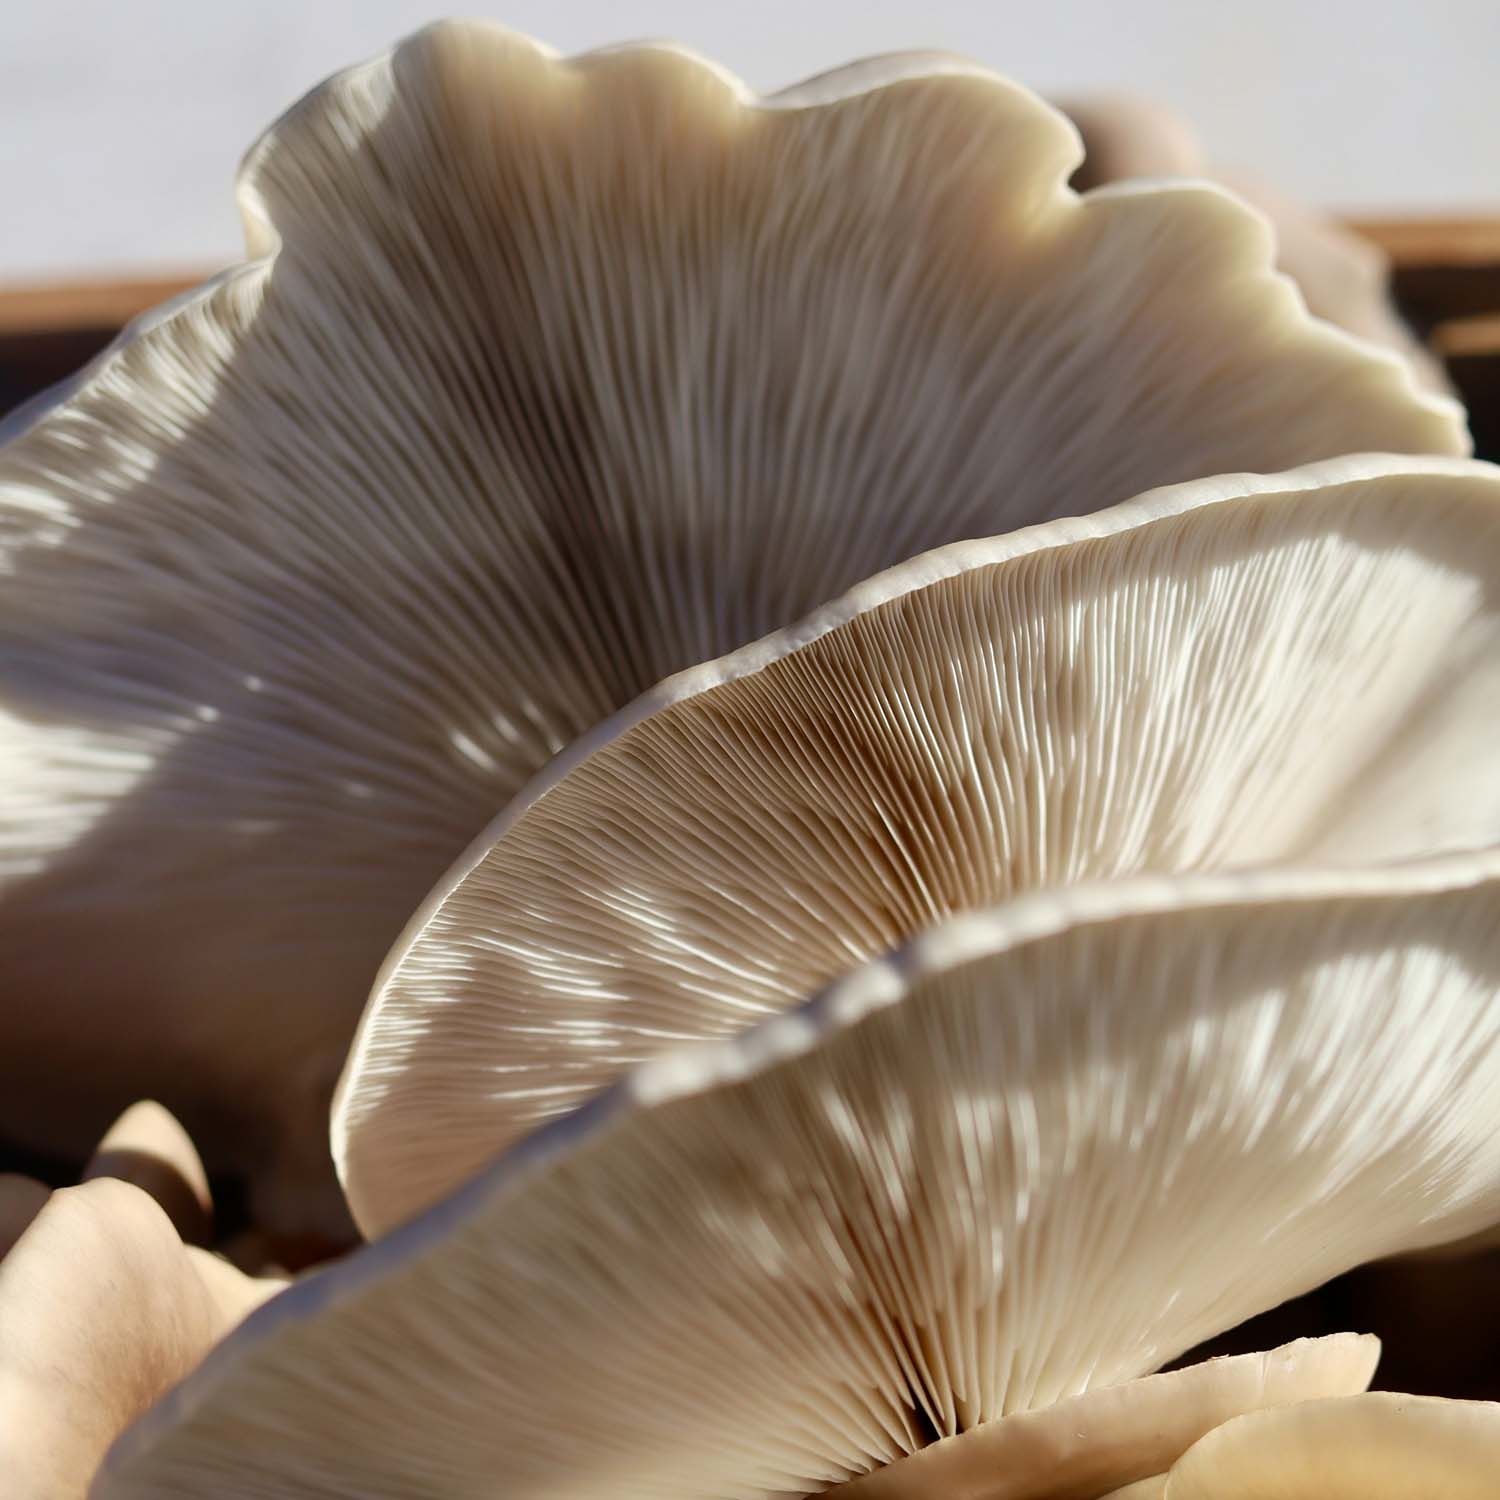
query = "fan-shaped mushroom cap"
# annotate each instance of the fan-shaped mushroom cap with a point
(102, 1309)
(554, 377)
(1343, 277)
(1231, 673)
(1039, 1152)
(1067, 1451)
(1379, 1446)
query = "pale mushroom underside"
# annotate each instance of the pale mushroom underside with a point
(1042, 1151)
(1300, 668)
(553, 377)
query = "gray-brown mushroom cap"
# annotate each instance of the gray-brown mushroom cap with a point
(554, 377)
(1241, 672)
(1040, 1152)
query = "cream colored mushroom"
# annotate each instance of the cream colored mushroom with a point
(1379, 1446)
(1040, 1152)
(552, 377)
(1343, 276)
(1234, 673)
(102, 1307)
(148, 1147)
(1067, 1451)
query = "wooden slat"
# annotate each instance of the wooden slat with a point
(1435, 242)
(1441, 268)
(1468, 338)
(63, 307)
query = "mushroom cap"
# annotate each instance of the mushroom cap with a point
(102, 1309)
(1067, 1451)
(1342, 276)
(1378, 1446)
(1233, 673)
(552, 377)
(1040, 1151)
(147, 1146)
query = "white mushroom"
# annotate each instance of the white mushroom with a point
(1379, 1446)
(1302, 668)
(552, 377)
(1038, 1153)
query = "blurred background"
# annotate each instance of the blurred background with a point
(124, 119)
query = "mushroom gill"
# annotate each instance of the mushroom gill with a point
(1034, 1155)
(1248, 671)
(552, 377)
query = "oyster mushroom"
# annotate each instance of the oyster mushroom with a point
(1068, 1450)
(1343, 277)
(1377, 1446)
(550, 377)
(103, 1308)
(1240, 672)
(1035, 1154)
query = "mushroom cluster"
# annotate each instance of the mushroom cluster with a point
(106, 1300)
(900, 758)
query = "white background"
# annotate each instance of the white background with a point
(121, 121)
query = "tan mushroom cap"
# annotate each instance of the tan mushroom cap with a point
(555, 376)
(1040, 1152)
(1238, 672)
(102, 1309)
(1379, 1446)
(1070, 1450)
